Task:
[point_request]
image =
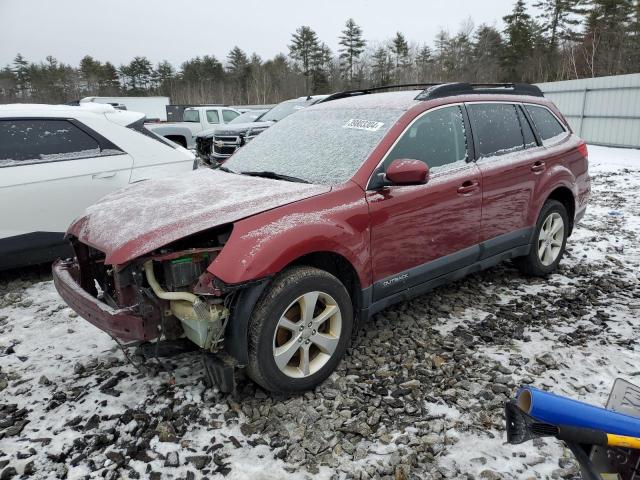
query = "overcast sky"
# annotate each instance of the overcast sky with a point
(175, 30)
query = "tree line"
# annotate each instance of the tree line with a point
(565, 39)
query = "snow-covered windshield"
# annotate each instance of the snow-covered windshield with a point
(247, 117)
(282, 110)
(324, 146)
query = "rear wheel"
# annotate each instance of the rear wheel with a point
(550, 238)
(299, 331)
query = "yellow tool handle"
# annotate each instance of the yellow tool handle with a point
(622, 441)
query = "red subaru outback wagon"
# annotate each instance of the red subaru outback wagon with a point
(328, 217)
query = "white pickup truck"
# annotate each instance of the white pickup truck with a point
(194, 121)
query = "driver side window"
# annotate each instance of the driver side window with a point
(437, 138)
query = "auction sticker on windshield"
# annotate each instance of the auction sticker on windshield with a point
(369, 125)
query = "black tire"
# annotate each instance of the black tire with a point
(285, 289)
(532, 264)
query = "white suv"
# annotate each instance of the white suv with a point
(55, 160)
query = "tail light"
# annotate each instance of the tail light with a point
(583, 150)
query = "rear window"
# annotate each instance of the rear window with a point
(191, 116)
(37, 140)
(546, 123)
(496, 128)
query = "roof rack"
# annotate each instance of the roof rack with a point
(451, 89)
(365, 91)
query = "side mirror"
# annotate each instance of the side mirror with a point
(407, 172)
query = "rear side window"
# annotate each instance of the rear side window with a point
(212, 116)
(546, 123)
(229, 115)
(34, 141)
(191, 116)
(139, 127)
(496, 128)
(437, 138)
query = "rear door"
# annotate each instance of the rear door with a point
(420, 232)
(510, 161)
(50, 171)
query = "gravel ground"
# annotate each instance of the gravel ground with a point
(419, 395)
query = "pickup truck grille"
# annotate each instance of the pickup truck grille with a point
(225, 145)
(203, 146)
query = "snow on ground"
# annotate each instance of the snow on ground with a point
(419, 395)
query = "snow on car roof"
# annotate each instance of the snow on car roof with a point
(403, 100)
(72, 111)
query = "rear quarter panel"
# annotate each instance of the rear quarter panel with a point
(264, 244)
(566, 167)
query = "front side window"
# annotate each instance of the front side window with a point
(34, 141)
(496, 128)
(212, 116)
(437, 138)
(546, 123)
(228, 115)
(191, 116)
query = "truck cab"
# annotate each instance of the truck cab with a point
(194, 121)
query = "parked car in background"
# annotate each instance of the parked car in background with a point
(154, 108)
(55, 160)
(194, 121)
(215, 146)
(330, 216)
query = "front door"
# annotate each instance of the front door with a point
(420, 232)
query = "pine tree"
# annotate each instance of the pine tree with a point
(353, 44)
(381, 67)
(21, 71)
(400, 50)
(487, 53)
(424, 63)
(519, 32)
(304, 45)
(237, 61)
(320, 61)
(558, 19)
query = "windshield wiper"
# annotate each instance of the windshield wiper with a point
(275, 176)
(225, 169)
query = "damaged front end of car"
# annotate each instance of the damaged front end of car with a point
(160, 299)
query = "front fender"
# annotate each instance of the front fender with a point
(266, 243)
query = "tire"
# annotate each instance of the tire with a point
(279, 327)
(544, 257)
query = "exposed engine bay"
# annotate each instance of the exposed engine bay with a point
(170, 288)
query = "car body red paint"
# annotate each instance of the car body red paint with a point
(460, 220)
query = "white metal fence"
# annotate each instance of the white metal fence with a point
(603, 111)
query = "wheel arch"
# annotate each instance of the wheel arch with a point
(565, 196)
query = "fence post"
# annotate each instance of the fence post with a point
(584, 103)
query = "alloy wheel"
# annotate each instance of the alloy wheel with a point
(307, 334)
(550, 239)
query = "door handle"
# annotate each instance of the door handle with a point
(97, 176)
(538, 167)
(468, 187)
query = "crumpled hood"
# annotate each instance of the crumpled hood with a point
(148, 215)
(233, 129)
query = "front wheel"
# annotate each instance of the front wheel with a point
(550, 239)
(299, 330)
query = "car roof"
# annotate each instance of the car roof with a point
(84, 110)
(402, 100)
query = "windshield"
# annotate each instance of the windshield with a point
(282, 110)
(248, 117)
(323, 146)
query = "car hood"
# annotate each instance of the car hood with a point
(234, 129)
(148, 215)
